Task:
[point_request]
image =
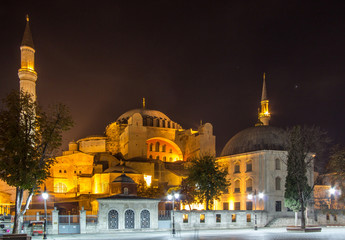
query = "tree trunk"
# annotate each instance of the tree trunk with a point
(296, 219)
(18, 206)
(207, 202)
(302, 211)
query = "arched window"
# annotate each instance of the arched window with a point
(113, 219)
(164, 148)
(249, 166)
(60, 188)
(125, 191)
(129, 219)
(151, 147)
(277, 164)
(237, 186)
(157, 147)
(278, 181)
(170, 159)
(164, 158)
(237, 168)
(157, 157)
(249, 185)
(145, 219)
(150, 157)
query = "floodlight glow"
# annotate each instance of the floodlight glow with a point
(45, 195)
(250, 196)
(332, 191)
(261, 195)
(170, 197)
(176, 195)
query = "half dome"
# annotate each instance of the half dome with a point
(255, 139)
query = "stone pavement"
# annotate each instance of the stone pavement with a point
(241, 234)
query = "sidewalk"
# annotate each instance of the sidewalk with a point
(243, 234)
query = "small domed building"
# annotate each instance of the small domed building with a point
(256, 161)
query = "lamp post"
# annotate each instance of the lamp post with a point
(172, 197)
(45, 197)
(254, 197)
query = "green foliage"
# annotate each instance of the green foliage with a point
(301, 142)
(28, 137)
(150, 192)
(209, 177)
(188, 192)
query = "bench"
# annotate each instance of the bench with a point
(16, 237)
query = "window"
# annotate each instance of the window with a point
(150, 156)
(170, 151)
(237, 168)
(249, 185)
(125, 191)
(237, 186)
(278, 206)
(225, 206)
(218, 218)
(60, 171)
(237, 206)
(327, 216)
(335, 217)
(233, 217)
(151, 147)
(249, 205)
(164, 158)
(277, 161)
(164, 148)
(185, 218)
(278, 180)
(202, 218)
(157, 147)
(79, 172)
(60, 188)
(64, 171)
(170, 159)
(249, 217)
(157, 157)
(249, 166)
(75, 171)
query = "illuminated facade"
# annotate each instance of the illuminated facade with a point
(144, 144)
(256, 162)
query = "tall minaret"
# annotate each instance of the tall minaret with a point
(264, 114)
(27, 74)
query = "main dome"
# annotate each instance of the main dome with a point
(254, 139)
(144, 113)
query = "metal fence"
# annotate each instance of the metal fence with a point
(91, 219)
(69, 219)
(164, 215)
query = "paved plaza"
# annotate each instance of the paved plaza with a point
(241, 234)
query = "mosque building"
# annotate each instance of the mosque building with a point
(147, 145)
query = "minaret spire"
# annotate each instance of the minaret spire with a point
(27, 74)
(144, 103)
(264, 114)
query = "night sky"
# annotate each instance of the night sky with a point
(192, 60)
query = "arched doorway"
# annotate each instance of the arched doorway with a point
(113, 219)
(145, 219)
(129, 219)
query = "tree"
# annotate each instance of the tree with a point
(209, 178)
(188, 192)
(302, 142)
(336, 167)
(28, 138)
(149, 191)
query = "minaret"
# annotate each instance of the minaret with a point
(27, 74)
(264, 114)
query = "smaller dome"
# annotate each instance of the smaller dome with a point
(255, 139)
(124, 179)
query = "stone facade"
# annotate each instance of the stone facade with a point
(121, 205)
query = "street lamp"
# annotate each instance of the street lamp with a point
(254, 197)
(45, 197)
(332, 191)
(173, 196)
